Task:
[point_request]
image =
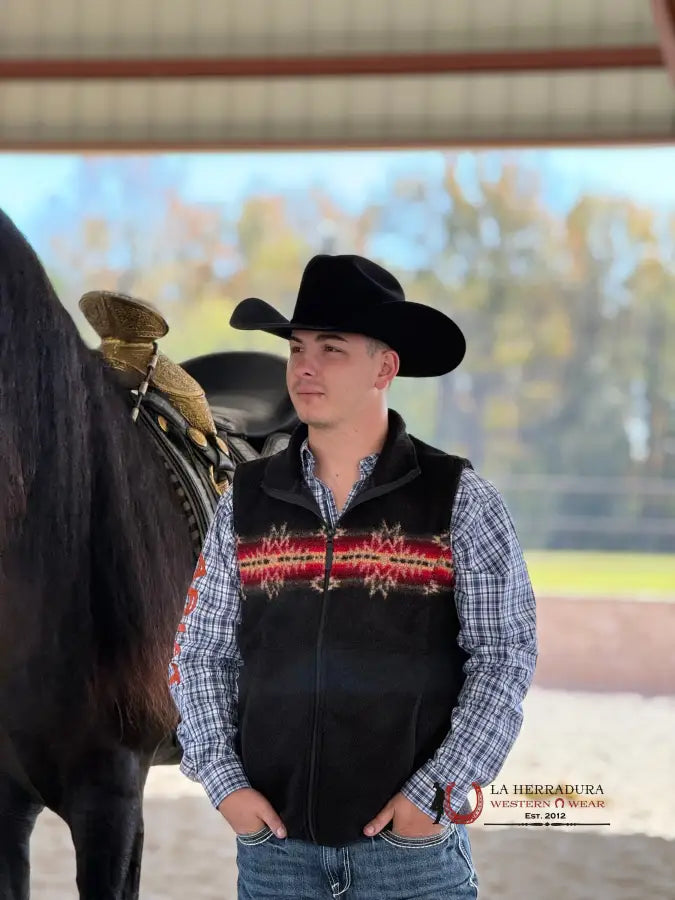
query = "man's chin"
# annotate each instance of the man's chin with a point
(312, 420)
(312, 412)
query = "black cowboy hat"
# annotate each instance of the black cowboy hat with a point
(352, 294)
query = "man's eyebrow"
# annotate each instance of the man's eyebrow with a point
(322, 336)
(331, 336)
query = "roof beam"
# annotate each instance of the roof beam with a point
(140, 145)
(663, 12)
(505, 61)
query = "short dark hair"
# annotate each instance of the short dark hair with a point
(373, 345)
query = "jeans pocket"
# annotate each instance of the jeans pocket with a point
(430, 840)
(256, 837)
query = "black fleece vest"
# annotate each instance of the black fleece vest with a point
(349, 636)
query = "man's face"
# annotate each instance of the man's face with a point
(332, 378)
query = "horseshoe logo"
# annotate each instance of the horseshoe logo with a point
(466, 817)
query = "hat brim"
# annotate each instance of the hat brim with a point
(428, 342)
(253, 314)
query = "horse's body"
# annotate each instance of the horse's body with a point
(95, 560)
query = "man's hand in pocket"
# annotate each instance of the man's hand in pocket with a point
(408, 820)
(247, 810)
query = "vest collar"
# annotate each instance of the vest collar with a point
(396, 465)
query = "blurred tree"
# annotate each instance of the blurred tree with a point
(489, 266)
(569, 318)
(124, 225)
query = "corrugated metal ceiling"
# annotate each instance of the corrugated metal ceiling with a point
(241, 27)
(593, 102)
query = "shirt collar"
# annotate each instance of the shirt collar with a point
(366, 465)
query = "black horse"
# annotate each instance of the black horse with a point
(95, 559)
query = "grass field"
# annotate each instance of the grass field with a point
(635, 575)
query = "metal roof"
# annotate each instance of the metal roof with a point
(271, 73)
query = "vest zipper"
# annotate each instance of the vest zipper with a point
(315, 726)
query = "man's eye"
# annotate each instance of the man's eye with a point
(330, 347)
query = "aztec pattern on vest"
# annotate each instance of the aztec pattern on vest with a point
(382, 560)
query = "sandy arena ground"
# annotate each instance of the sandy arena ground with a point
(624, 742)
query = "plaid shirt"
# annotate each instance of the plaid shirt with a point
(496, 610)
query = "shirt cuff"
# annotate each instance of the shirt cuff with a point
(422, 789)
(221, 778)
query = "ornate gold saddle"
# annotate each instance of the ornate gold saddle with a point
(200, 445)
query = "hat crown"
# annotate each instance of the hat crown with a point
(333, 287)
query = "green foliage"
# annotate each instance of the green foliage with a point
(570, 319)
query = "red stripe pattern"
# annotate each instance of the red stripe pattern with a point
(383, 560)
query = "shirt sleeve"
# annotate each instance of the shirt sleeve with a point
(496, 610)
(204, 669)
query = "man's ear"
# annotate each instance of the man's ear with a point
(389, 367)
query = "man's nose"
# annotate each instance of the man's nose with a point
(307, 364)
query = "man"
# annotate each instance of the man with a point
(361, 629)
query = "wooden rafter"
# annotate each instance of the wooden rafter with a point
(473, 62)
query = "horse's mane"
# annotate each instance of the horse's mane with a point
(94, 553)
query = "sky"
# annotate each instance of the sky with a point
(643, 174)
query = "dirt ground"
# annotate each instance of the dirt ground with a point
(623, 742)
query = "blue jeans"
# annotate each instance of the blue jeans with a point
(384, 867)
